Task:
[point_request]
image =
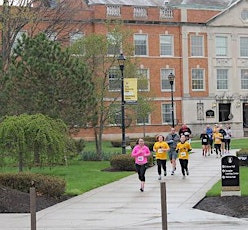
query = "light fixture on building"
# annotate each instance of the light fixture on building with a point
(214, 105)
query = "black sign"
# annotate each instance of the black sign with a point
(230, 172)
(210, 113)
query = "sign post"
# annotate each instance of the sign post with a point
(230, 175)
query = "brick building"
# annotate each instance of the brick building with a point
(204, 43)
(194, 40)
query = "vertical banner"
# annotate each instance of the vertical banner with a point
(130, 90)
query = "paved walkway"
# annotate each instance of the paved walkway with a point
(121, 206)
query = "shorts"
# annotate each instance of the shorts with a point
(172, 154)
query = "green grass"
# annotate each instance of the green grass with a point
(80, 176)
(235, 143)
(216, 189)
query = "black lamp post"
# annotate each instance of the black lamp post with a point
(121, 59)
(171, 78)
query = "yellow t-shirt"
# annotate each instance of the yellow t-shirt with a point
(183, 150)
(217, 137)
(159, 149)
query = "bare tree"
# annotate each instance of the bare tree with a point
(33, 16)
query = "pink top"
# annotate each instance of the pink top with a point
(140, 153)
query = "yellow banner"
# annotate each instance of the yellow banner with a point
(130, 90)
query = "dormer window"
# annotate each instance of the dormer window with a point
(244, 15)
(114, 11)
(140, 12)
(166, 13)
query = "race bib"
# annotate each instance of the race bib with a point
(204, 140)
(160, 150)
(183, 154)
(140, 158)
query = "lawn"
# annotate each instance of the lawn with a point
(80, 176)
(235, 143)
(216, 189)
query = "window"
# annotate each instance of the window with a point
(75, 36)
(165, 84)
(197, 79)
(143, 79)
(224, 112)
(243, 46)
(114, 79)
(114, 11)
(51, 3)
(244, 15)
(113, 45)
(166, 13)
(221, 46)
(18, 37)
(140, 12)
(52, 36)
(114, 118)
(167, 113)
(143, 120)
(244, 79)
(166, 45)
(222, 79)
(196, 44)
(140, 43)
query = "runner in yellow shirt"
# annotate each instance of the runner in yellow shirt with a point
(161, 147)
(183, 148)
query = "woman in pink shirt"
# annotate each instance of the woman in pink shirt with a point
(140, 153)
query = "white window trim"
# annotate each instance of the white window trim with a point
(172, 45)
(147, 47)
(204, 83)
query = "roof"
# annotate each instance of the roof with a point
(212, 4)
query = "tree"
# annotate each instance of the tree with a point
(93, 49)
(33, 16)
(43, 78)
(27, 138)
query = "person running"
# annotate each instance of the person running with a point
(183, 148)
(160, 147)
(209, 132)
(141, 152)
(217, 137)
(227, 139)
(205, 142)
(172, 139)
(186, 131)
(223, 132)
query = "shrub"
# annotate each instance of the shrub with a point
(45, 185)
(116, 143)
(123, 162)
(80, 144)
(92, 156)
(242, 154)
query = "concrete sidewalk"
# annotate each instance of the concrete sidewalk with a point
(120, 205)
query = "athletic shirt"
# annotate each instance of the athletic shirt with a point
(183, 150)
(158, 146)
(217, 138)
(140, 154)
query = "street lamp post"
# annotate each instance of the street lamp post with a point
(171, 78)
(121, 59)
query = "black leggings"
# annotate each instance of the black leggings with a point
(141, 170)
(227, 144)
(217, 148)
(184, 165)
(161, 164)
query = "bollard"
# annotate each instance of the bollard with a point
(163, 205)
(33, 207)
